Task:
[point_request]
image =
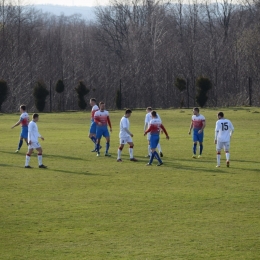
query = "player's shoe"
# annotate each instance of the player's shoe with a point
(159, 164)
(28, 166)
(147, 156)
(93, 150)
(194, 156)
(218, 166)
(119, 160)
(17, 151)
(227, 163)
(148, 164)
(133, 160)
(42, 166)
(98, 154)
(161, 154)
(200, 156)
(107, 154)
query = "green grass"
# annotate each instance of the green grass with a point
(84, 207)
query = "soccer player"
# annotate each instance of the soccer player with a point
(223, 131)
(92, 130)
(154, 129)
(148, 118)
(33, 136)
(23, 121)
(125, 136)
(101, 117)
(198, 123)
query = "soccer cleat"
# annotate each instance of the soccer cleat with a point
(17, 151)
(218, 166)
(159, 164)
(147, 156)
(161, 154)
(199, 156)
(119, 160)
(194, 156)
(133, 160)
(107, 154)
(98, 154)
(28, 166)
(227, 163)
(42, 166)
(148, 164)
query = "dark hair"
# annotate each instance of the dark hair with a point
(196, 109)
(128, 111)
(221, 114)
(149, 108)
(154, 114)
(35, 116)
(23, 107)
(93, 99)
(101, 102)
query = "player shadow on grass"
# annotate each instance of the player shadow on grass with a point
(64, 157)
(79, 173)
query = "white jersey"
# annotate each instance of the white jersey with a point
(147, 120)
(124, 124)
(223, 131)
(33, 133)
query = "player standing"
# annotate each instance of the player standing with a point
(154, 129)
(101, 117)
(33, 136)
(23, 121)
(223, 131)
(198, 123)
(125, 136)
(92, 130)
(148, 118)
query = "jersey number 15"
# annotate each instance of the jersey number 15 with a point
(224, 126)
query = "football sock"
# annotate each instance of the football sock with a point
(218, 158)
(20, 144)
(39, 159)
(149, 150)
(97, 147)
(119, 151)
(201, 148)
(94, 139)
(151, 158)
(159, 148)
(107, 147)
(27, 159)
(194, 148)
(227, 156)
(131, 152)
(156, 155)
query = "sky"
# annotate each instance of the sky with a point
(71, 2)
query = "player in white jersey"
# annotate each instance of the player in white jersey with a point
(125, 137)
(148, 118)
(33, 136)
(223, 131)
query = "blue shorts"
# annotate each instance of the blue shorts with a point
(102, 131)
(198, 137)
(24, 132)
(93, 128)
(154, 140)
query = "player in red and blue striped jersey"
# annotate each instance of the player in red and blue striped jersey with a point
(24, 122)
(154, 129)
(92, 130)
(102, 119)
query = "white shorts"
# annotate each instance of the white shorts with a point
(34, 146)
(225, 145)
(148, 136)
(126, 140)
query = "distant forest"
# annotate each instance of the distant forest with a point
(136, 48)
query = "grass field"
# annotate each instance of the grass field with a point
(88, 207)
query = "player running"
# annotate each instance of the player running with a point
(198, 123)
(101, 119)
(33, 136)
(154, 129)
(148, 118)
(23, 121)
(125, 136)
(223, 132)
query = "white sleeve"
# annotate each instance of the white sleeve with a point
(231, 128)
(29, 132)
(216, 130)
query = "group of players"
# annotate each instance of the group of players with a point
(153, 126)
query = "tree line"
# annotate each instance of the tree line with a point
(136, 53)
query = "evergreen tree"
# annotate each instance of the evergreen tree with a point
(203, 86)
(40, 93)
(118, 99)
(59, 88)
(3, 92)
(82, 90)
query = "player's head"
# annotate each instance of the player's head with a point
(22, 108)
(92, 102)
(154, 114)
(196, 111)
(149, 109)
(35, 117)
(128, 112)
(101, 105)
(220, 115)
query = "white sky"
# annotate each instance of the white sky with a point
(71, 2)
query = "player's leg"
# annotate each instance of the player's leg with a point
(120, 148)
(195, 140)
(99, 134)
(39, 150)
(226, 149)
(200, 137)
(160, 150)
(23, 135)
(149, 147)
(219, 146)
(154, 140)
(28, 157)
(92, 134)
(131, 150)
(107, 136)
(20, 143)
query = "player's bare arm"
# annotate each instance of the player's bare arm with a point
(18, 123)
(191, 126)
